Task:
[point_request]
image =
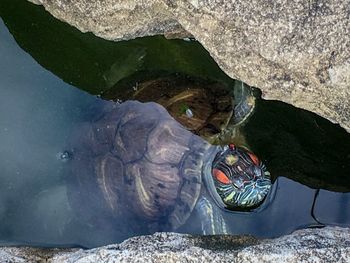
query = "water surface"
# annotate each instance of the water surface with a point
(39, 109)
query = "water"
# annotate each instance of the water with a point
(39, 111)
(94, 64)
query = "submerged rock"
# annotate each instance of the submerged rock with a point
(296, 52)
(330, 244)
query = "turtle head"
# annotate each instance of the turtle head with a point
(240, 178)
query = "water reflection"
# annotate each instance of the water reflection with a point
(134, 170)
(47, 198)
(279, 214)
(94, 64)
(332, 208)
(37, 113)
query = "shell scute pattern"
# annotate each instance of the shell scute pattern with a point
(147, 166)
(168, 142)
(130, 142)
(190, 189)
(132, 134)
(84, 170)
(105, 167)
(152, 189)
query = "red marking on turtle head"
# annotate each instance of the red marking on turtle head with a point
(220, 176)
(254, 158)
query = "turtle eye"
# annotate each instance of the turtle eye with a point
(221, 177)
(254, 158)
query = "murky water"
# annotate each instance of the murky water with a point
(39, 111)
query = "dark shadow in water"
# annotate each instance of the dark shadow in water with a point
(94, 64)
(300, 145)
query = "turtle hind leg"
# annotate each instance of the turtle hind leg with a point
(212, 222)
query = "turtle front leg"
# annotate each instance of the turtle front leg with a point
(212, 222)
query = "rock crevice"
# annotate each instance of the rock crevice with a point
(295, 51)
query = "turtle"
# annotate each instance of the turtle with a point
(206, 107)
(134, 161)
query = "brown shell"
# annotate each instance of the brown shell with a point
(210, 102)
(138, 160)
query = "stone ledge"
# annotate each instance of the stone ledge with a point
(329, 244)
(295, 51)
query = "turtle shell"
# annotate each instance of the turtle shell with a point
(136, 160)
(202, 106)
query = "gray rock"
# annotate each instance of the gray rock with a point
(330, 244)
(295, 51)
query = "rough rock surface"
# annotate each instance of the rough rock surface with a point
(295, 51)
(308, 245)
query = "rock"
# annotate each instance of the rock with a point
(330, 244)
(29, 254)
(295, 51)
